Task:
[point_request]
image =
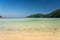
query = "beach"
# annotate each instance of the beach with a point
(29, 19)
(30, 29)
(29, 35)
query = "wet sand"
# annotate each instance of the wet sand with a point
(29, 35)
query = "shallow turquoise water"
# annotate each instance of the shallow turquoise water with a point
(30, 24)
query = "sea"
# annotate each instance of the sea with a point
(29, 24)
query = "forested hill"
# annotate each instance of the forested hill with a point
(54, 14)
(0, 16)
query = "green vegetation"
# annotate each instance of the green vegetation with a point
(55, 14)
(0, 16)
(35, 16)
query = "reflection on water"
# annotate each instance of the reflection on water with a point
(30, 24)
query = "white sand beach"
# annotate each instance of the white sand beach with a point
(29, 35)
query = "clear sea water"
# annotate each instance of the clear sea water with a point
(29, 23)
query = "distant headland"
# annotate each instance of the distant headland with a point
(0, 16)
(54, 14)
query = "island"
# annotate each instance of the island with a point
(54, 14)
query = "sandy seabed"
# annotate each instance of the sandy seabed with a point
(29, 35)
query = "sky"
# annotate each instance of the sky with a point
(22, 8)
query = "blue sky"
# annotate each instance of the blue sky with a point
(22, 8)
